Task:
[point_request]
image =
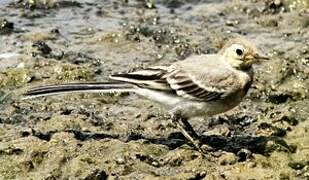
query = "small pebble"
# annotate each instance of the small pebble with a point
(227, 159)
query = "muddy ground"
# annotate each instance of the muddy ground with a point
(94, 136)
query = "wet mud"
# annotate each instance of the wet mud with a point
(121, 136)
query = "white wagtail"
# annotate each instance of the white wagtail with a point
(201, 85)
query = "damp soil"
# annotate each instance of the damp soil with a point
(122, 136)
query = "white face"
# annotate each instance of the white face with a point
(236, 51)
(239, 56)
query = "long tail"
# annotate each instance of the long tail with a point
(101, 87)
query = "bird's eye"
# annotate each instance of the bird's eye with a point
(239, 52)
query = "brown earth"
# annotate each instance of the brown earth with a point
(93, 136)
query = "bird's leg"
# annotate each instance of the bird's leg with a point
(189, 128)
(186, 129)
(194, 141)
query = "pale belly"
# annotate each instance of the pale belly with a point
(189, 108)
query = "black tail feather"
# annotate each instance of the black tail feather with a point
(99, 87)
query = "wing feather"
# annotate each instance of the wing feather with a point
(177, 81)
(190, 89)
(152, 78)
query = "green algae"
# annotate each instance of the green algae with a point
(16, 77)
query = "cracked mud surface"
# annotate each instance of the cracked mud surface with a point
(94, 136)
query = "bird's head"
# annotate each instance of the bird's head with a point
(241, 53)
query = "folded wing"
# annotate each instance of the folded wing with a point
(152, 78)
(196, 85)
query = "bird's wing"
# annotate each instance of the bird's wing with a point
(201, 86)
(204, 85)
(152, 77)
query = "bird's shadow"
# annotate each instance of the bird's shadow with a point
(259, 145)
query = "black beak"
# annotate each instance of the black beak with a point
(262, 57)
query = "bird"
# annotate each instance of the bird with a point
(198, 86)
